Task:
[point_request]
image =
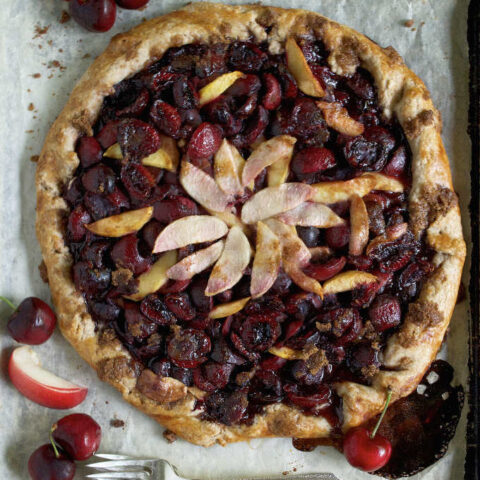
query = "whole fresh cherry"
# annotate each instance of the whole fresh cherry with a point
(32, 322)
(366, 450)
(78, 434)
(47, 463)
(94, 15)
(132, 4)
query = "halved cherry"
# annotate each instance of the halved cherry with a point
(324, 271)
(188, 348)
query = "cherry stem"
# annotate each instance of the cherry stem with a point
(52, 441)
(387, 401)
(8, 302)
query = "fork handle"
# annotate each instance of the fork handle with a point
(295, 476)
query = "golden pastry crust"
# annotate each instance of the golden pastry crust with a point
(432, 203)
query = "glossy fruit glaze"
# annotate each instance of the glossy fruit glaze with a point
(229, 358)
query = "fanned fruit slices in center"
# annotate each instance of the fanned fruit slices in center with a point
(239, 221)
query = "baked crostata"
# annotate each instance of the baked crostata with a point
(248, 222)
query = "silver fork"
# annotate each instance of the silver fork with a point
(122, 467)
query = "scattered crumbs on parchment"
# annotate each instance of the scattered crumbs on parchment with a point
(40, 46)
(56, 64)
(87, 55)
(106, 402)
(409, 23)
(28, 131)
(36, 75)
(28, 90)
(169, 436)
(39, 31)
(65, 17)
(42, 268)
(116, 423)
(413, 29)
(422, 24)
(285, 473)
(31, 107)
(50, 43)
(294, 469)
(60, 50)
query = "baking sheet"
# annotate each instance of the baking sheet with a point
(39, 67)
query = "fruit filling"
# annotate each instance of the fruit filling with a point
(239, 220)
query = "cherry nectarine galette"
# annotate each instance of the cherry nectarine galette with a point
(248, 222)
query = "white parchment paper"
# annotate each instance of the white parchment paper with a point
(38, 71)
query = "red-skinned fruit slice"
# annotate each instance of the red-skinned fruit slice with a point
(359, 226)
(94, 15)
(277, 149)
(368, 451)
(272, 201)
(196, 262)
(40, 385)
(78, 434)
(230, 266)
(203, 188)
(309, 214)
(188, 230)
(266, 263)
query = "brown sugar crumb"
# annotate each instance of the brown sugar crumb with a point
(285, 473)
(36, 75)
(116, 423)
(316, 360)
(323, 327)
(31, 107)
(87, 55)
(42, 268)
(39, 31)
(65, 17)
(57, 64)
(409, 23)
(34, 158)
(169, 436)
(369, 371)
(424, 313)
(121, 277)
